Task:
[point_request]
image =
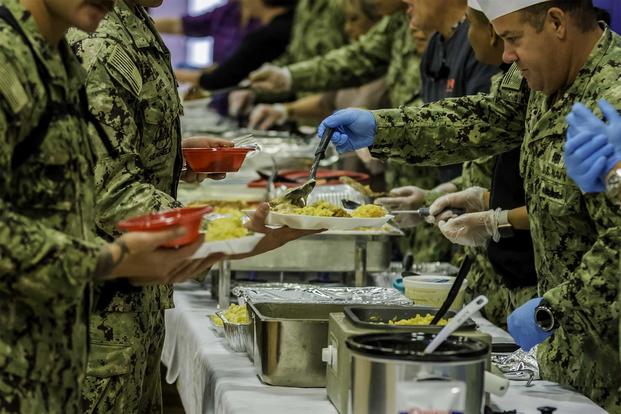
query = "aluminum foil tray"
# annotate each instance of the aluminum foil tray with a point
(324, 295)
(518, 365)
(235, 334)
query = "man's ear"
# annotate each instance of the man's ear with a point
(556, 22)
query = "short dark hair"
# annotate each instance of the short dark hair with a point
(582, 10)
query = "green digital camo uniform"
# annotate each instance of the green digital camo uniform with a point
(318, 27)
(389, 50)
(576, 236)
(47, 214)
(132, 92)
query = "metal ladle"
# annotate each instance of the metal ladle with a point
(298, 196)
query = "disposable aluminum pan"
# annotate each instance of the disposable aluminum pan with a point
(235, 334)
(324, 295)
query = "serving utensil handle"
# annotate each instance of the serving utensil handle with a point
(321, 151)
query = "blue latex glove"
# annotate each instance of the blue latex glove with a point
(354, 129)
(524, 329)
(581, 119)
(586, 159)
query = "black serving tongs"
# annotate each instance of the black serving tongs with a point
(298, 196)
(450, 298)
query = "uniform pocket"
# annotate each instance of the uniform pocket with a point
(106, 360)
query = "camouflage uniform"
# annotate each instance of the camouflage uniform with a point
(47, 208)
(576, 236)
(317, 29)
(132, 92)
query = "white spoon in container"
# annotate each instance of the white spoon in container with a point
(456, 322)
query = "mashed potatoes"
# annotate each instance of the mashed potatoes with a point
(225, 228)
(369, 211)
(318, 209)
(418, 320)
(234, 314)
(326, 209)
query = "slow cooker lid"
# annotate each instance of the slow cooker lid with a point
(410, 346)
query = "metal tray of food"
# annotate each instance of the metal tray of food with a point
(324, 295)
(236, 334)
(288, 340)
(376, 317)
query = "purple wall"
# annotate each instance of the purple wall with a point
(614, 8)
(176, 44)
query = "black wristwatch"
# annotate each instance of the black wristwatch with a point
(505, 229)
(544, 317)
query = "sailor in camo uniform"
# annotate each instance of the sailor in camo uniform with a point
(133, 93)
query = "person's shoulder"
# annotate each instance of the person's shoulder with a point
(17, 67)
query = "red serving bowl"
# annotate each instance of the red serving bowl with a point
(215, 160)
(189, 218)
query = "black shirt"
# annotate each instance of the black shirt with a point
(513, 258)
(257, 47)
(449, 69)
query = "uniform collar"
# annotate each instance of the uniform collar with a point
(138, 22)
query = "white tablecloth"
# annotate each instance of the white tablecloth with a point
(212, 379)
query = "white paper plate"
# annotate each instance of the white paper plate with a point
(233, 246)
(297, 221)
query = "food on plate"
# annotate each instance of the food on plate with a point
(226, 228)
(224, 204)
(369, 211)
(318, 209)
(365, 190)
(418, 320)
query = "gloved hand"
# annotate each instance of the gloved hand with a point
(405, 198)
(523, 327)
(581, 119)
(586, 160)
(471, 199)
(354, 129)
(264, 116)
(240, 102)
(271, 78)
(472, 229)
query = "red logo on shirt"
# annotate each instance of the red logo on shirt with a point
(450, 85)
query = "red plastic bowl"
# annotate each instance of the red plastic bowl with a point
(215, 160)
(189, 218)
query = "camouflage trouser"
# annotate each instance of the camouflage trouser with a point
(23, 396)
(483, 280)
(123, 374)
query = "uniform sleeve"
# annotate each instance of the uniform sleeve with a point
(353, 65)
(455, 130)
(113, 85)
(38, 264)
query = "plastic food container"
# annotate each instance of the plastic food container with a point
(215, 160)
(189, 218)
(432, 290)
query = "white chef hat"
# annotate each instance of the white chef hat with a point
(494, 9)
(474, 4)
